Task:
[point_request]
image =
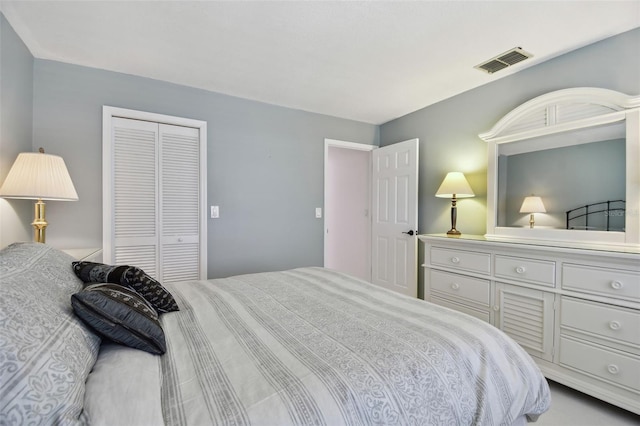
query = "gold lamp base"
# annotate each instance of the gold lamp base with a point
(39, 222)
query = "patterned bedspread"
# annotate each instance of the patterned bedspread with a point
(314, 347)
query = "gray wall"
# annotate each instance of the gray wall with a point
(590, 173)
(16, 106)
(265, 163)
(448, 130)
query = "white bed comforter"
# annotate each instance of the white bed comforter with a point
(315, 347)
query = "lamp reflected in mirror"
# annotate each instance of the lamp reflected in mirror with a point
(532, 205)
(454, 186)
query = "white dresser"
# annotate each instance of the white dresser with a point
(576, 310)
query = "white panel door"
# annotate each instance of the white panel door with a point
(395, 217)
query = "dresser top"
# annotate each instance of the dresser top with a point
(533, 243)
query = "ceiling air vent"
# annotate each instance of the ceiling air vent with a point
(504, 60)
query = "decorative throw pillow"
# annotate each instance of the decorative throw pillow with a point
(150, 289)
(128, 276)
(121, 315)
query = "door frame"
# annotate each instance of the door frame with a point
(345, 145)
(108, 113)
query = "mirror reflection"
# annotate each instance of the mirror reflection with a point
(585, 173)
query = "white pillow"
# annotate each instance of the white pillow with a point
(124, 388)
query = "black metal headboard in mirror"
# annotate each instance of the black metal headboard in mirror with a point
(602, 216)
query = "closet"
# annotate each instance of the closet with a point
(154, 181)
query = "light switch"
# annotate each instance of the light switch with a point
(215, 212)
(318, 212)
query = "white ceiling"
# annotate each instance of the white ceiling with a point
(370, 61)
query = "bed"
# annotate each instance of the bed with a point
(308, 346)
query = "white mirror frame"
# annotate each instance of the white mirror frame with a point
(563, 111)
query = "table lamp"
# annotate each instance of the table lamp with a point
(39, 176)
(454, 186)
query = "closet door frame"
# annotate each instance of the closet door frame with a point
(108, 113)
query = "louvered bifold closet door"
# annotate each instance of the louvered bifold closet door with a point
(180, 201)
(135, 194)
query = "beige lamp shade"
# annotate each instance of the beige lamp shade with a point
(455, 185)
(39, 176)
(532, 204)
(36, 175)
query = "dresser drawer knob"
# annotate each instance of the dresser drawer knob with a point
(616, 285)
(455, 286)
(613, 369)
(615, 325)
(521, 269)
(455, 260)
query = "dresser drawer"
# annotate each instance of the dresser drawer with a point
(459, 259)
(604, 320)
(614, 367)
(456, 286)
(541, 272)
(603, 281)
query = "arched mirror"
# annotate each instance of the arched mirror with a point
(565, 166)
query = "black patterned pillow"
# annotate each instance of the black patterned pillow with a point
(151, 290)
(128, 276)
(92, 272)
(122, 315)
